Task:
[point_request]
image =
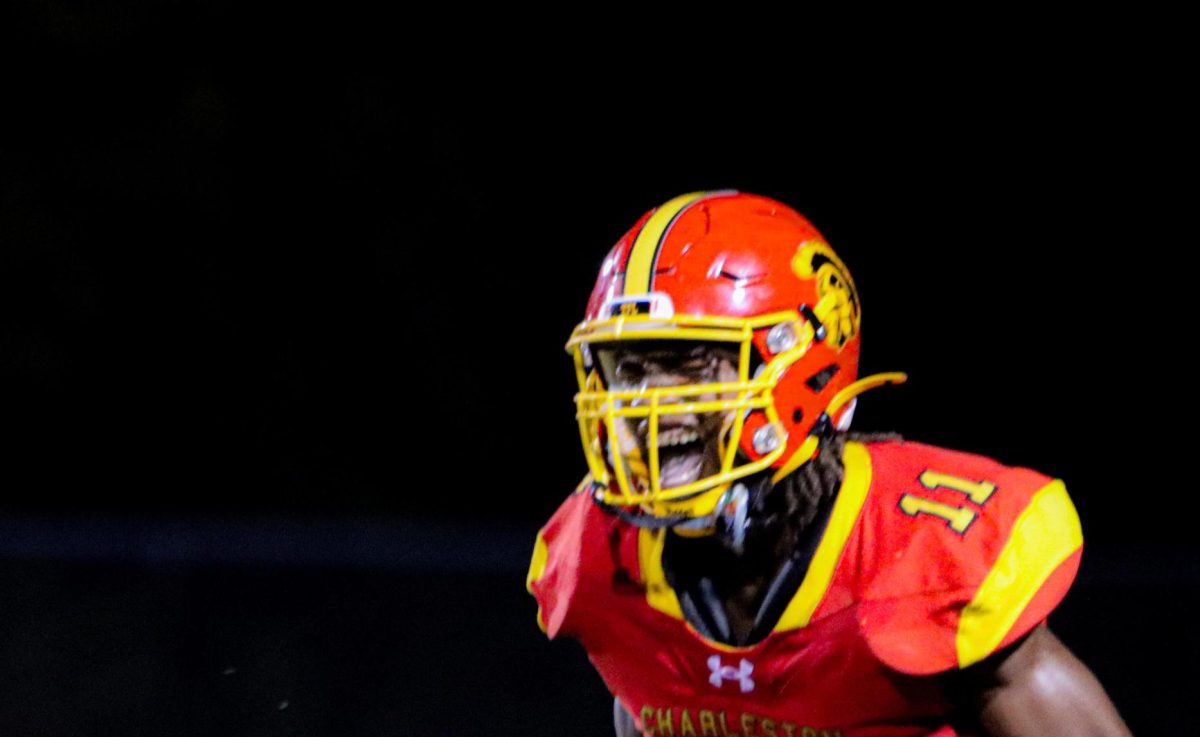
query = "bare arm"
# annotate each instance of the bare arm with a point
(622, 722)
(1037, 688)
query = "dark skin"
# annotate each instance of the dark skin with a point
(1038, 687)
(1033, 688)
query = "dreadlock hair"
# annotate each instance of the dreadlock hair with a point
(782, 520)
(797, 499)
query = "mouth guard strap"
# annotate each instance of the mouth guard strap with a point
(862, 385)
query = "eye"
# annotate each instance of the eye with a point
(699, 364)
(697, 360)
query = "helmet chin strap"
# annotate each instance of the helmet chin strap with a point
(646, 521)
(731, 522)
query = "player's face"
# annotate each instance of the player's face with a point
(688, 443)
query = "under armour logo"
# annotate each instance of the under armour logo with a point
(722, 673)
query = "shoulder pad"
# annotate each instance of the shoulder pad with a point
(962, 555)
(575, 558)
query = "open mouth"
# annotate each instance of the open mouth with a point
(681, 456)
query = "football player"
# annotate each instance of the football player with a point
(737, 562)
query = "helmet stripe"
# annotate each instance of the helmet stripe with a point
(643, 256)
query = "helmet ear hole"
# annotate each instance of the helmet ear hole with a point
(797, 415)
(821, 379)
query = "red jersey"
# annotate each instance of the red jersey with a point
(931, 560)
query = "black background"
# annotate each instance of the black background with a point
(284, 290)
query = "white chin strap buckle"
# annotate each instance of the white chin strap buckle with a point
(734, 510)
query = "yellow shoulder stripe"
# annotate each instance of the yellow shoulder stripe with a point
(1045, 535)
(659, 594)
(850, 499)
(537, 566)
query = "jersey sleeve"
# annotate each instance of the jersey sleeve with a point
(970, 555)
(570, 567)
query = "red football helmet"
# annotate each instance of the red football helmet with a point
(727, 268)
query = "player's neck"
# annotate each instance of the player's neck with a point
(745, 592)
(737, 594)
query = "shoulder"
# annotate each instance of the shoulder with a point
(576, 554)
(896, 462)
(964, 502)
(960, 554)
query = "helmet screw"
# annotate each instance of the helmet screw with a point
(766, 439)
(781, 338)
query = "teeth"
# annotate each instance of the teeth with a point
(677, 437)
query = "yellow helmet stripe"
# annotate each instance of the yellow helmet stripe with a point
(643, 256)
